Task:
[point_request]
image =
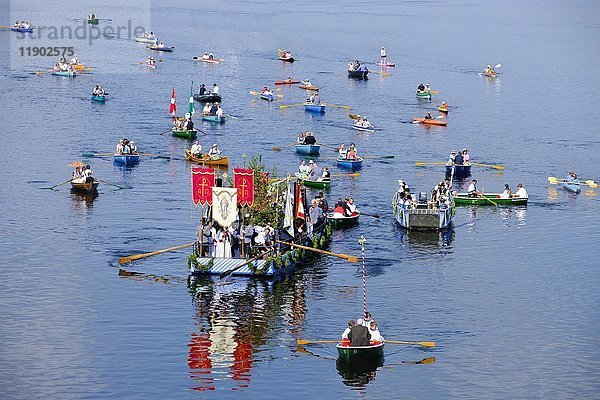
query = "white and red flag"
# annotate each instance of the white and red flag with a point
(173, 107)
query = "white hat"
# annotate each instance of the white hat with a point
(214, 145)
(360, 321)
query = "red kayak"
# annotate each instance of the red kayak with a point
(287, 82)
(430, 121)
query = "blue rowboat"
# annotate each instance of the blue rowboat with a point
(308, 149)
(157, 48)
(363, 128)
(362, 74)
(350, 164)
(314, 108)
(126, 159)
(23, 30)
(99, 99)
(70, 74)
(213, 118)
(267, 96)
(574, 186)
(460, 171)
(424, 95)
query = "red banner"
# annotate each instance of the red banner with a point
(300, 212)
(203, 179)
(243, 181)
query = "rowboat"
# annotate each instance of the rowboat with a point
(126, 159)
(93, 21)
(443, 109)
(463, 199)
(358, 74)
(99, 99)
(359, 354)
(342, 222)
(157, 48)
(574, 187)
(325, 184)
(349, 164)
(70, 74)
(460, 171)
(363, 128)
(423, 215)
(314, 108)
(307, 149)
(208, 60)
(288, 59)
(386, 64)
(207, 98)
(186, 134)
(78, 67)
(313, 88)
(423, 95)
(430, 121)
(143, 39)
(206, 159)
(287, 82)
(214, 118)
(22, 30)
(267, 96)
(82, 187)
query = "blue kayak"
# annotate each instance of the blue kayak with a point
(99, 99)
(126, 159)
(267, 97)
(350, 164)
(23, 30)
(573, 186)
(308, 149)
(314, 108)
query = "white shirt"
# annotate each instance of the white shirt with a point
(383, 53)
(505, 194)
(196, 148)
(206, 109)
(472, 188)
(346, 332)
(219, 112)
(521, 192)
(375, 335)
(214, 151)
(215, 90)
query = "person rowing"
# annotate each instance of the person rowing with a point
(421, 88)
(202, 90)
(98, 91)
(343, 152)
(364, 123)
(219, 112)
(314, 99)
(359, 335)
(489, 70)
(205, 55)
(309, 139)
(196, 149)
(188, 123)
(443, 106)
(521, 192)
(572, 177)
(472, 191)
(266, 91)
(214, 151)
(352, 152)
(326, 175)
(150, 61)
(428, 116)
(215, 89)
(376, 337)
(307, 83)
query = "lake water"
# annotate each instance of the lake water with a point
(510, 295)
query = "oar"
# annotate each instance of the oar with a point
(229, 272)
(96, 154)
(328, 146)
(354, 116)
(423, 163)
(301, 342)
(497, 66)
(168, 130)
(369, 215)
(282, 147)
(347, 257)
(232, 116)
(290, 105)
(494, 166)
(487, 198)
(155, 155)
(376, 157)
(353, 174)
(434, 92)
(60, 184)
(338, 106)
(113, 184)
(128, 259)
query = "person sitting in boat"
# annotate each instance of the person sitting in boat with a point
(266, 91)
(87, 174)
(427, 88)
(521, 192)
(428, 116)
(63, 60)
(383, 56)
(119, 149)
(343, 152)
(365, 123)
(359, 334)
(307, 83)
(362, 68)
(451, 158)
(93, 16)
(188, 124)
(133, 147)
(126, 147)
(458, 159)
(310, 139)
(351, 323)
(489, 70)
(215, 89)
(339, 210)
(352, 152)
(351, 207)
(351, 66)
(76, 174)
(314, 99)
(421, 88)
(506, 193)
(572, 177)
(472, 191)
(74, 60)
(206, 109)
(376, 337)
(214, 108)
(325, 175)
(205, 55)
(444, 106)
(211, 56)
(202, 90)
(303, 169)
(315, 170)
(322, 202)
(150, 61)
(219, 112)
(155, 44)
(466, 156)
(214, 151)
(196, 149)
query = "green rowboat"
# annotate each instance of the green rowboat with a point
(360, 354)
(342, 222)
(317, 184)
(93, 21)
(185, 133)
(463, 199)
(424, 95)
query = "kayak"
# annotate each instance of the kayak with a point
(387, 64)
(342, 222)
(314, 88)
(142, 39)
(463, 199)
(208, 60)
(99, 99)
(126, 158)
(350, 164)
(430, 121)
(213, 118)
(423, 95)
(70, 74)
(78, 67)
(267, 96)
(186, 134)
(207, 98)
(489, 74)
(206, 159)
(574, 187)
(286, 82)
(314, 108)
(156, 48)
(308, 149)
(93, 21)
(362, 128)
(359, 354)
(443, 109)
(22, 30)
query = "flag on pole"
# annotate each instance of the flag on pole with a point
(173, 107)
(192, 109)
(288, 220)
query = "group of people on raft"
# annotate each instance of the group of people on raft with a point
(214, 152)
(126, 147)
(98, 91)
(348, 153)
(208, 56)
(363, 122)
(82, 174)
(184, 124)
(65, 66)
(362, 332)
(22, 25)
(313, 172)
(506, 193)
(460, 158)
(202, 90)
(345, 208)
(422, 89)
(356, 66)
(213, 109)
(306, 137)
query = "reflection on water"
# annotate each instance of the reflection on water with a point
(83, 199)
(425, 240)
(358, 375)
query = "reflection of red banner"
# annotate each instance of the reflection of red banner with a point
(203, 179)
(243, 180)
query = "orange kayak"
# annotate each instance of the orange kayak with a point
(78, 67)
(315, 88)
(430, 121)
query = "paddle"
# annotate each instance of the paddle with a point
(354, 116)
(369, 215)
(113, 184)
(229, 272)
(500, 167)
(353, 174)
(290, 105)
(60, 184)
(283, 147)
(338, 106)
(487, 198)
(423, 163)
(232, 116)
(301, 342)
(434, 92)
(128, 259)
(347, 257)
